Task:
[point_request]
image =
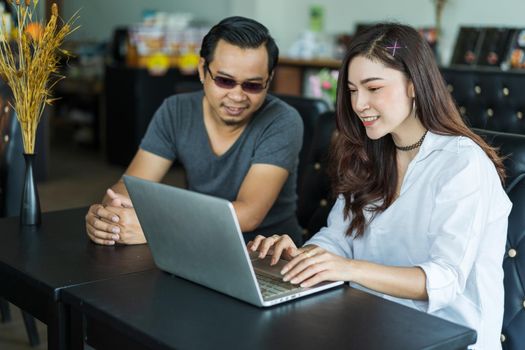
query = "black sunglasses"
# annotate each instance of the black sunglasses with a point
(246, 86)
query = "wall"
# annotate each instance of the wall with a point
(287, 19)
(98, 18)
(243, 8)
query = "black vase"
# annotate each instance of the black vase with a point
(30, 205)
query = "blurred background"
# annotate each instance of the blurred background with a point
(129, 55)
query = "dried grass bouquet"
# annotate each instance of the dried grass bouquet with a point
(29, 65)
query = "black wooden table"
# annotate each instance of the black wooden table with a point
(37, 264)
(155, 310)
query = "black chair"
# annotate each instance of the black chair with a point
(132, 95)
(493, 100)
(12, 168)
(310, 109)
(489, 99)
(315, 200)
(316, 137)
(513, 147)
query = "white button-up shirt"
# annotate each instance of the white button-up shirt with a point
(451, 220)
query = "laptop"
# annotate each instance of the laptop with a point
(197, 237)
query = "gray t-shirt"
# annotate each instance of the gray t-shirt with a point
(273, 136)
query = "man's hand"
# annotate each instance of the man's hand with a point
(102, 225)
(118, 200)
(115, 222)
(129, 226)
(115, 219)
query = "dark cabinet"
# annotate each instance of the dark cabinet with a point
(132, 95)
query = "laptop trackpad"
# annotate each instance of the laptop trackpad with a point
(263, 265)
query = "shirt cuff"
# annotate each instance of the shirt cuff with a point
(441, 285)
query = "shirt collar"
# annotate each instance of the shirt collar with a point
(435, 142)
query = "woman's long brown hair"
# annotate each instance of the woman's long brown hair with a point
(364, 171)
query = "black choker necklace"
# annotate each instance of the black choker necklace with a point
(413, 146)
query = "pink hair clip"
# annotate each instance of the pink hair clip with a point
(394, 48)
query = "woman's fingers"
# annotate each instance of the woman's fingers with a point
(274, 245)
(319, 277)
(284, 244)
(304, 253)
(254, 245)
(305, 270)
(266, 244)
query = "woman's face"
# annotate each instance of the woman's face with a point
(381, 97)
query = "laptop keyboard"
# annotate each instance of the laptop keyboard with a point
(271, 286)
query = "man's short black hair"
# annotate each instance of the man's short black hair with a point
(242, 32)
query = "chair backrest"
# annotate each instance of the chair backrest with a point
(315, 200)
(12, 165)
(310, 109)
(513, 334)
(513, 147)
(489, 99)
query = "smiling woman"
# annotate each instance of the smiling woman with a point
(421, 214)
(383, 98)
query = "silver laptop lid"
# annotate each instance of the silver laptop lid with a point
(194, 236)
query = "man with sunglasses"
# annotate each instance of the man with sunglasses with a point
(233, 139)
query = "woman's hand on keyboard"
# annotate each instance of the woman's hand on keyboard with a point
(314, 265)
(276, 246)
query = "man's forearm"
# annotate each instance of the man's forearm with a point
(249, 219)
